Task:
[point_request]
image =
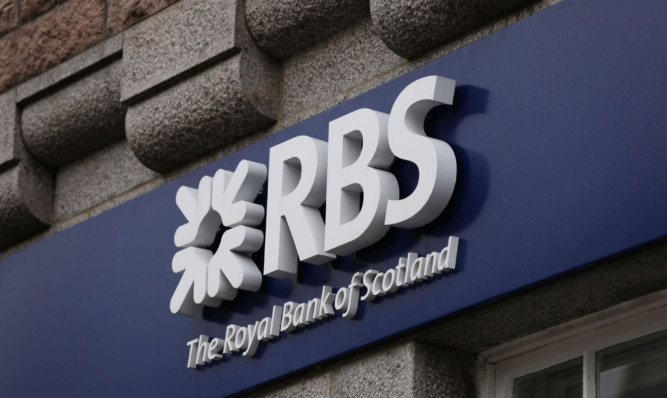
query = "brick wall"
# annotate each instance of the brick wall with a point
(38, 34)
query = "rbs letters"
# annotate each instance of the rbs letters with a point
(304, 173)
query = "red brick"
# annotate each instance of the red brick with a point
(49, 39)
(123, 13)
(8, 15)
(32, 8)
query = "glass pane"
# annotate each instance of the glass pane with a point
(560, 381)
(636, 369)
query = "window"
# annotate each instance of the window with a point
(637, 369)
(564, 380)
(620, 352)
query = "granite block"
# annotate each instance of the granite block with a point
(218, 105)
(26, 194)
(284, 28)
(49, 39)
(384, 374)
(97, 178)
(76, 119)
(443, 372)
(410, 369)
(9, 131)
(334, 66)
(184, 36)
(78, 65)
(123, 13)
(291, 120)
(409, 27)
(312, 387)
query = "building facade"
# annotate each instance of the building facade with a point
(541, 124)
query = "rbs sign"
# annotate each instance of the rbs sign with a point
(304, 174)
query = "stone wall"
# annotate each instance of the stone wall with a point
(103, 100)
(38, 34)
(128, 94)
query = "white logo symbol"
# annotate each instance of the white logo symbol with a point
(227, 199)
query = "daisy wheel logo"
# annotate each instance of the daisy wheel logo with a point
(210, 277)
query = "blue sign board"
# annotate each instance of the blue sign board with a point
(559, 130)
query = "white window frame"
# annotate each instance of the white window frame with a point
(583, 337)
